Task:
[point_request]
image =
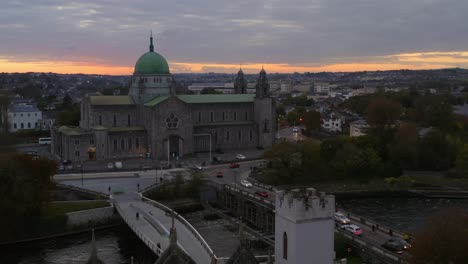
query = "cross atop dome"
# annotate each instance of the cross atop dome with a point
(151, 47)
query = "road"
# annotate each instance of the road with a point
(289, 135)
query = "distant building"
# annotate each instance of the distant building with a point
(304, 227)
(332, 123)
(24, 115)
(358, 128)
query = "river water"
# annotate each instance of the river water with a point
(118, 245)
(115, 246)
(403, 214)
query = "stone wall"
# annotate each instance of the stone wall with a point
(92, 216)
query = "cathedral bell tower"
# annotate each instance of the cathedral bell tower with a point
(265, 112)
(262, 89)
(240, 85)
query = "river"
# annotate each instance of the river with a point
(115, 246)
(404, 214)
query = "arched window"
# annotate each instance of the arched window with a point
(115, 144)
(285, 246)
(115, 120)
(100, 120)
(122, 144)
(128, 120)
(29, 124)
(22, 125)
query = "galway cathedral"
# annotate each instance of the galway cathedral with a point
(154, 121)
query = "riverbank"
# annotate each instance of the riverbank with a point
(58, 219)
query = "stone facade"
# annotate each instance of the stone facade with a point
(152, 121)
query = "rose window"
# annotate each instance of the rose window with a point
(172, 121)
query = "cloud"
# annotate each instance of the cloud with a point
(294, 32)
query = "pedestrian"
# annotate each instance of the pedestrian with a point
(109, 189)
(137, 215)
(138, 186)
(390, 232)
(373, 228)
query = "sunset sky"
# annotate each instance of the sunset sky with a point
(108, 36)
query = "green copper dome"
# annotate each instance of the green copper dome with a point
(151, 62)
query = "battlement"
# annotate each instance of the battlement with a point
(302, 205)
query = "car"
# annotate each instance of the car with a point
(246, 183)
(341, 219)
(393, 246)
(219, 174)
(295, 129)
(217, 159)
(401, 242)
(196, 167)
(240, 157)
(353, 229)
(262, 194)
(110, 165)
(234, 165)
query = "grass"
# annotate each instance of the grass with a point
(54, 209)
(436, 178)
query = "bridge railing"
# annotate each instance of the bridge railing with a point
(182, 220)
(372, 249)
(142, 236)
(252, 196)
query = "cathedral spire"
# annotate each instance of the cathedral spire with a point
(151, 47)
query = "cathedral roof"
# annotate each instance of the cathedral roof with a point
(151, 62)
(111, 100)
(205, 98)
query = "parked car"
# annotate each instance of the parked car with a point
(295, 129)
(110, 165)
(353, 229)
(240, 157)
(217, 159)
(246, 183)
(234, 165)
(118, 165)
(219, 174)
(341, 219)
(262, 194)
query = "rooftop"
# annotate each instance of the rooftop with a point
(206, 98)
(111, 100)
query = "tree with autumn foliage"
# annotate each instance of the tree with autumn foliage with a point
(444, 239)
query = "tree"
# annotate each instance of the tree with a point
(67, 102)
(404, 149)
(70, 117)
(436, 151)
(382, 113)
(461, 162)
(443, 239)
(4, 104)
(280, 110)
(210, 91)
(311, 120)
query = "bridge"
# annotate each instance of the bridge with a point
(154, 220)
(259, 212)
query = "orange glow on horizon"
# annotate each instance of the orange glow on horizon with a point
(413, 61)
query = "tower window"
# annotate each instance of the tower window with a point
(227, 135)
(235, 116)
(246, 116)
(129, 143)
(224, 115)
(199, 116)
(285, 246)
(128, 120)
(211, 116)
(115, 120)
(137, 143)
(100, 120)
(251, 135)
(122, 144)
(115, 144)
(239, 135)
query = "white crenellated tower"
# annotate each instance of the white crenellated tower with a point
(304, 227)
